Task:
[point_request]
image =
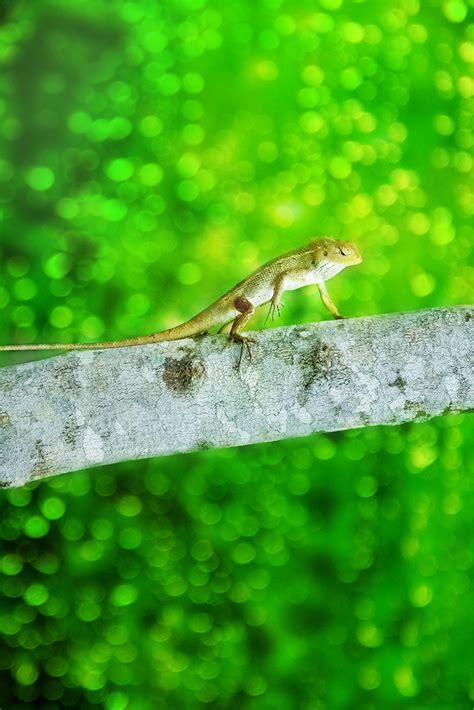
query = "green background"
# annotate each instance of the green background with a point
(151, 155)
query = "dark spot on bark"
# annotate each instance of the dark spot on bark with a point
(416, 410)
(398, 382)
(468, 316)
(203, 445)
(319, 362)
(322, 361)
(71, 432)
(4, 420)
(5, 484)
(42, 466)
(65, 374)
(184, 374)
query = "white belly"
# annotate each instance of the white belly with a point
(298, 280)
(261, 295)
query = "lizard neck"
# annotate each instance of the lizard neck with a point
(326, 269)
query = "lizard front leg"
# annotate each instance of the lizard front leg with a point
(328, 302)
(275, 305)
(246, 311)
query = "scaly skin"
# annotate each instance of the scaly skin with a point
(314, 263)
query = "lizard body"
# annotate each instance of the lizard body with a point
(313, 263)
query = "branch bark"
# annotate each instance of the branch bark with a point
(96, 407)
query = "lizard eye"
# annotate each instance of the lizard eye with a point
(325, 252)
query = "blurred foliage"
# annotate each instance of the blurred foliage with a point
(151, 155)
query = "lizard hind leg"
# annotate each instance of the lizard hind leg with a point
(246, 311)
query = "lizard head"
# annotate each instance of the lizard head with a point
(337, 251)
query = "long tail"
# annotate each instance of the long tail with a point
(199, 324)
(79, 346)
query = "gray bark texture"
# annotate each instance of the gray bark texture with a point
(97, 407)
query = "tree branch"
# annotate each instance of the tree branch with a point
(95, 407)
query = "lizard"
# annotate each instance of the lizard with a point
(313, 263)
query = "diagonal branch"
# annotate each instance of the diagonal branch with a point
(87, 408)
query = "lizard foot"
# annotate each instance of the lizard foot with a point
(244, 341)
(275, 308)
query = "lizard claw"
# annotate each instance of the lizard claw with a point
(274, 307)
(244, 341)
